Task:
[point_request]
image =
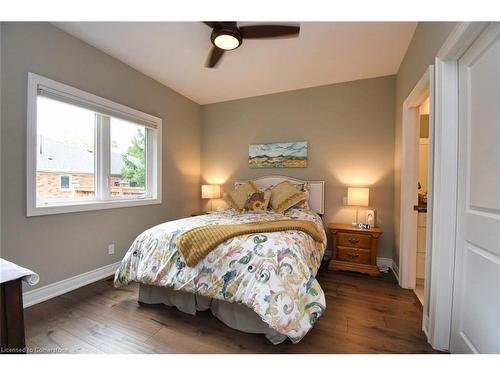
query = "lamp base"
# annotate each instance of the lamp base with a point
(355, 224)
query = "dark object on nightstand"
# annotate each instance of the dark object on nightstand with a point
(354, 249)
(12, 318)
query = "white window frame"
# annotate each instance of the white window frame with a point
(103, 199)
(70, 181)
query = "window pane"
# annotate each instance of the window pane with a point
(128, 158)
(64, 182)
(65, 152)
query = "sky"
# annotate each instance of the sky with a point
(73, 125)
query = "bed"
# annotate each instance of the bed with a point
(257, 283)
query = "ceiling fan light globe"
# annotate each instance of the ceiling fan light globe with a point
(226, 41)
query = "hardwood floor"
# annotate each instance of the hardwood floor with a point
(363, 315)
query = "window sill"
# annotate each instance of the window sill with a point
(89, 206)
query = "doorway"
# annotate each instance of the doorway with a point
(421, 207)
(420, 97)
(410, 239)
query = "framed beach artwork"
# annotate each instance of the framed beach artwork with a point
(278, 155)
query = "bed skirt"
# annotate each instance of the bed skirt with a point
(233, 315)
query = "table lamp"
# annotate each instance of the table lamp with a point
(210, 192)
(357, 197)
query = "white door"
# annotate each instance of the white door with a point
(476, 298)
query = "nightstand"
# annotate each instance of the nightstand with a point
(354, 249)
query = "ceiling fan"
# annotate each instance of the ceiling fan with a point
(227, 36)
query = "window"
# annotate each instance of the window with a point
(85, 152)
(64, 182)
(65, 137)
(128, 158)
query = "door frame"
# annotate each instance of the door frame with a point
(409, 177)
(445, 184)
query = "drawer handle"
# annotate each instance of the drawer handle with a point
(353, 255)
(353, 241)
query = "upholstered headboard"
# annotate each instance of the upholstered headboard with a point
(316, 194)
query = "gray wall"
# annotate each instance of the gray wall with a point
(350, 131)
(64, 245)
(426, 42)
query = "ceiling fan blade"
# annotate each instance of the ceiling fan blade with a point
(214, 57)
(268, 31)
(211, 24)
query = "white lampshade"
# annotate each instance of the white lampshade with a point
(358, 196)
(210, 191)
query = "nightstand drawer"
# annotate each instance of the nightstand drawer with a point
(354, 255)
(353, 239)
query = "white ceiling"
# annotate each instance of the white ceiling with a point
(174, 54)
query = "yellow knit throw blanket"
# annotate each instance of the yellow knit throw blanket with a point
(197, 243)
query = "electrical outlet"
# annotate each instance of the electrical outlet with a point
(111, 249)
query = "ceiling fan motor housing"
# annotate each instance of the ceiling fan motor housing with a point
(226, 29)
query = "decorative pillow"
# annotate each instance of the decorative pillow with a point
(238, 197)
(285, 195)
(303, 204)
(258, 202)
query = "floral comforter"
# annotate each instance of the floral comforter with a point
(271, 273)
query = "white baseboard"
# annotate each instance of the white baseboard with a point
(425, 327)
(46, 292)
(395, 271)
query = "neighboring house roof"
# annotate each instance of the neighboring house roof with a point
(59, 157)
